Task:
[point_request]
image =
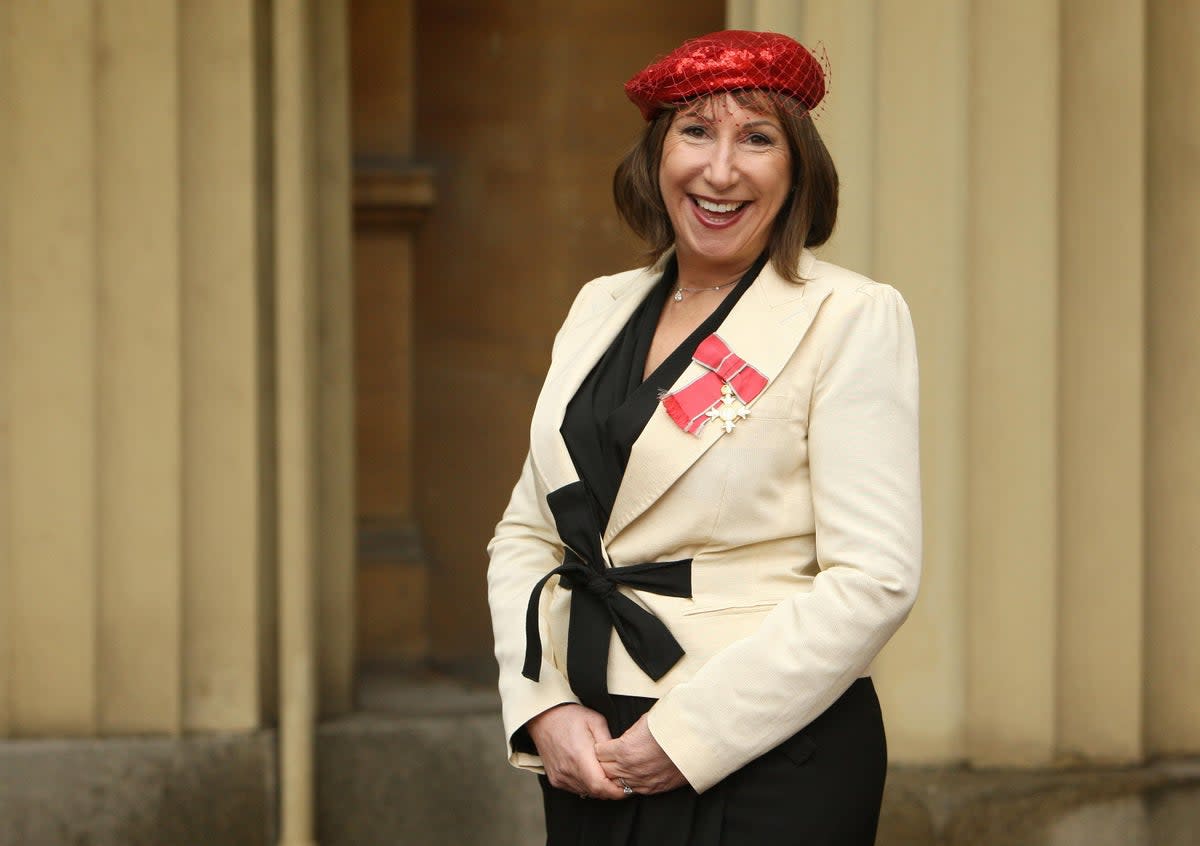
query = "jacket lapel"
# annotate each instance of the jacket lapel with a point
(580, 347)
(764, 328)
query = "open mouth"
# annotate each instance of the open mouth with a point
(716, 213)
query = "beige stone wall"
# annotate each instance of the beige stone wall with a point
(175, 340)
(1006, 168)
(140, 384)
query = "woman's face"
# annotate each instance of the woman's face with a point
(724, 175)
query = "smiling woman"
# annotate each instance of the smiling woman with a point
(751, 569)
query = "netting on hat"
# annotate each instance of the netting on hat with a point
(733, 61)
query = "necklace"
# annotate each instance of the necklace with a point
(680, 291)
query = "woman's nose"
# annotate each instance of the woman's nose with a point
(722, 165)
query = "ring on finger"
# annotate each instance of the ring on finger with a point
(628, 790)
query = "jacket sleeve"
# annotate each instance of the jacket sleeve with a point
(524, 548)
(865, 480)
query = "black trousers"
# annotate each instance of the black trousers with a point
(821, 787)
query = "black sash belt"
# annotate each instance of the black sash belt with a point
(597, 607)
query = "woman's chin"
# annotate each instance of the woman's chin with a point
(718, 256)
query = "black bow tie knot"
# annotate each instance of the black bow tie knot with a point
(600, 586)
(574, 574)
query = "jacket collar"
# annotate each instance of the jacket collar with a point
(580, 344)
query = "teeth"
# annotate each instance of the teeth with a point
(721, 208)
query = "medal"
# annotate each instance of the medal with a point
(729, 410)
(721, 393)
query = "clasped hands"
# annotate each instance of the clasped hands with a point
(581, 756)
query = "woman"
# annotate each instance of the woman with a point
(718, 524)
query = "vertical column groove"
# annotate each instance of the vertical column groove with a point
(336, 509)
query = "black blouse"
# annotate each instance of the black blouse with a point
(613, 404)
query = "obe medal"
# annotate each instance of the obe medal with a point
(729, 410)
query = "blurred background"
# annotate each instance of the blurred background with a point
(278, 282)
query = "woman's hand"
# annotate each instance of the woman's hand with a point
(566, 738)
(637, 758)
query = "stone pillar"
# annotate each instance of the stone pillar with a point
(918, 230)
(1173, 379)
(1101, 397)
(137, 374)
(51, 368)
(139, 436)
(228, 419)
(313, 319)
(296, 335)
(5, 408)
(1012, 428)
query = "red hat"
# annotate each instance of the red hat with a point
(727, 61)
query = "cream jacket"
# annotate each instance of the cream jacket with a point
(803, 523)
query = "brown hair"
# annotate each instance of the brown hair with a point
(806, 218)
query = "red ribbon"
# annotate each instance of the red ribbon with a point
(688, 405)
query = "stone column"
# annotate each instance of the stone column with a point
(1173, 379)
(1012, 426)
(5, 409)
(919, 181)
(228, 476)
(1101, 393)
(51, 366)
(137, 374)
(296, 268)
(139, 436)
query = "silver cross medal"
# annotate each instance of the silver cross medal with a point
(729, 411)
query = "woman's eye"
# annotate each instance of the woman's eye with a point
(759, 140)
(694, 131)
